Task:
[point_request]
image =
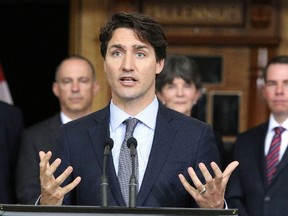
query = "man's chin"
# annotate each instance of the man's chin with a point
(75, 109)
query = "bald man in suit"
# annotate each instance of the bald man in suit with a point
(75, 86)
(11, 124)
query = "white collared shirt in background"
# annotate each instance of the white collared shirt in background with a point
(64, 118)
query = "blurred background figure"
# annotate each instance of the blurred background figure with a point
(179, 87)
(11, 125)
(75, 86)
(259, 185)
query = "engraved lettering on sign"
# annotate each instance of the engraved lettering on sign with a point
(210, 13)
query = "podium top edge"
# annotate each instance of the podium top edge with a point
(117, 210)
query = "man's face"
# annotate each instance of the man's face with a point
(276, 90)
(131, 67)
(75, 87)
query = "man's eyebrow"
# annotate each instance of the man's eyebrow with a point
(140, 47)
(116, 46)
(272, 80)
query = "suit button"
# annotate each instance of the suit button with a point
(267, 199)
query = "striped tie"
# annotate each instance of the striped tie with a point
(272, 158)
(125, 163)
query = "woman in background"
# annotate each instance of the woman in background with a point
(179, 87)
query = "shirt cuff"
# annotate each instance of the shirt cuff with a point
(37, 201)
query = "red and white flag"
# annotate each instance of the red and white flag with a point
(5, 94)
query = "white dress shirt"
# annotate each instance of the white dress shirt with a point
(271, 132)
(64, 118)
(143, 133)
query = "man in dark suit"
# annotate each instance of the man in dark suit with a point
(11, 124)
(259, 186)
(134, 48)
(75, 86)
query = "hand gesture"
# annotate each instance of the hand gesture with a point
(211, 194)
(51, 191)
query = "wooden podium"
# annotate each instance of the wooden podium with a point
(25, 210)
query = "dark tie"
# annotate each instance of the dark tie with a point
(125, 162)
(272, 158)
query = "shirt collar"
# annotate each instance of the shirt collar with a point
(64, 118)
(146, 116)
(273, 123)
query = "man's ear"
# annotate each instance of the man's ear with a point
(263, 89)
(55, 89)
(96, 87)
(160, 66)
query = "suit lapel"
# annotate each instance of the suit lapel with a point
(53, 126)
(281, 166)
(163, 139)
(55, 122)
(259, 151)
(98, 135)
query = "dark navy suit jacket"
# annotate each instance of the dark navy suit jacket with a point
(248, 189)
(179, 142)
(11, 124)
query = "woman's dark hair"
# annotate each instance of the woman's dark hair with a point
(146, 29)
(178, 66)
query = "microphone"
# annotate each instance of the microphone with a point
(132, 144)
(108, 145)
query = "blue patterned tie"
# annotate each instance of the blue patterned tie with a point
(125, 163)
(272, 158)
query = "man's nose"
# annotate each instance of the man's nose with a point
(279, 88)
(128, 63)
(75, 86)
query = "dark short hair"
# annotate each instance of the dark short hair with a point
(79, 57)
(281, 59)
(147, 30)
(178, 66)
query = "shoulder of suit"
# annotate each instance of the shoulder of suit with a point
(179, 117)
(53, 122)
(99, 116)
(262, 128)
(7, 109)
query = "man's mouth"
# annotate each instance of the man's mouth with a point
(128, 79)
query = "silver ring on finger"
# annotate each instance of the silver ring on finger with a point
(203, 190)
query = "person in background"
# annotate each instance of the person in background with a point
(259, 185)
(179, 87)
(75, 86)
(172, 151)
(11, 125)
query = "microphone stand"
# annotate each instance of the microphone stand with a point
(132, 144)
(104, 177)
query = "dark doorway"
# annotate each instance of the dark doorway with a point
(34, 37)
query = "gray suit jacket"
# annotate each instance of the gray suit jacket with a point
(248, 189)
(41, 136)
(179, 142)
